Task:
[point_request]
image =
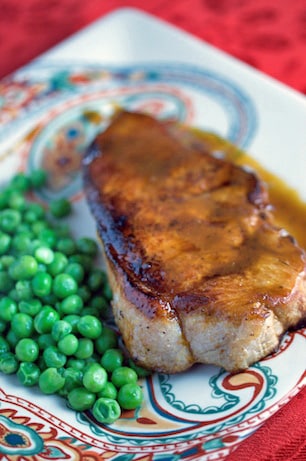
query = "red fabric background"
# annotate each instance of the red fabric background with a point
(268, 34)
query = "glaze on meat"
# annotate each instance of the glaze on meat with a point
(198, 270)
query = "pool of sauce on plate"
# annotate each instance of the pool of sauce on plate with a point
(288, 208)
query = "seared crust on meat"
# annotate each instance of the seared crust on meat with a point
(198, 270)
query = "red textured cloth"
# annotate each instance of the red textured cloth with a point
(281, 438)
(268, 34)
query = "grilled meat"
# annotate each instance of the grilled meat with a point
(199, 272)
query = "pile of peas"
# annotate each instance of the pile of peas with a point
(52, 300)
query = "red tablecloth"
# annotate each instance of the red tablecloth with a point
(268, 34)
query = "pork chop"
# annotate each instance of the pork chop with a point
(199, 272)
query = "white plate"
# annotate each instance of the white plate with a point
(53, 108)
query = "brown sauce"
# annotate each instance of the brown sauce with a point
(289, 209)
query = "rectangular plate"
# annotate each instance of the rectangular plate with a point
(51, 110)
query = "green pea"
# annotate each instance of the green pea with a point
(44, 255)
(12, 338)
(17, 201)
(107, 340)
(106, 410)
(27, 350)
(21, 243)
(94, 358)
(64, 285)
(24, 228)
(60, 329)
(22, 325)
(85, 293)
(130, 396)
(141, 372)
(53, 357)
(123, 375)
(5, 243)
(8, 308)
(107, 292)
(72, 304)
(35, 243)
(73, 319)
(29, 217)
(51, 381)
(3, 326)
(24, 290)
(60, 208)
(13, 294)
(4, 345)
(30, 306)
(90, 311)
(9, 220)
(36, 228)
(85, 348)
(76, 271)
(86, 261)
(80, 399)
(96, 279)
(68, 345)
(38, 178)
(99, 303)
(41, 363)
(20, 182)
(76, 364)
(62, 230)
(28, 374)
(42, 284)
(35, 212)
(47, 237)
(66, 245)
(73, 379)
(109, 391)
(87, 246)
(7, 261)
(112, 359)
(90, 327)
(94, 378)
(6, 283)
(8, 363)
(45, 319)
(4, 198)
(49, 300)
(45, 340)
(42, 268)
(23, 268)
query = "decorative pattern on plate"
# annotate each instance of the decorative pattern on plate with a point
(160, 89)
(59, 111)
(50, 113)
(32, 438)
